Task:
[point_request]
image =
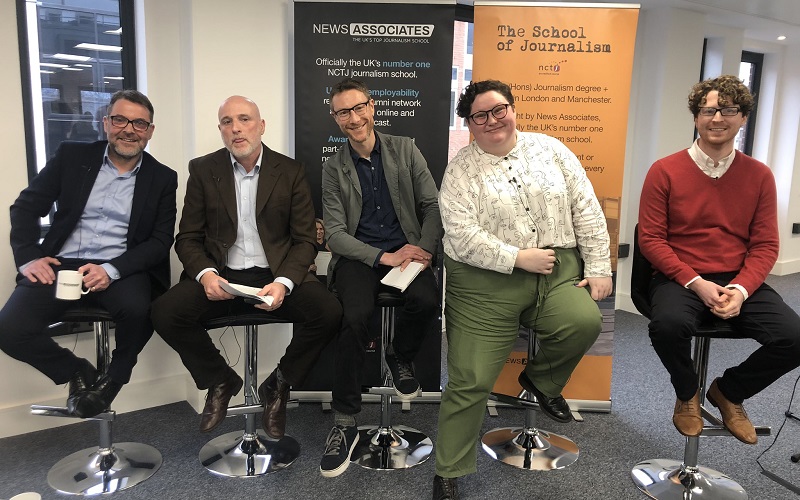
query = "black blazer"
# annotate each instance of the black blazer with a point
(67, 181)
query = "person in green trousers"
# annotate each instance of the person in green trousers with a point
(525, 243)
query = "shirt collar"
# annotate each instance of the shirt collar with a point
(376, 149)
(257, 168)
(705, 162)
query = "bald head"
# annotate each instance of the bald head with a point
(241, 128)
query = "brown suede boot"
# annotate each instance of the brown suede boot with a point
(686, 416)
(733, 415)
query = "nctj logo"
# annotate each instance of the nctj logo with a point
(551, 69)
(375, 29)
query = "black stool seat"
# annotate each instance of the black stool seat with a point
(389, 298)
(86, 312)
(248, 319)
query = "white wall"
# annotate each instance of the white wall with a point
(197, 53)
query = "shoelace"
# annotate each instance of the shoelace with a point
(405, 371)
(687, 406)
(334, 442)
(449, 488)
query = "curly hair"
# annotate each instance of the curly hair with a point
(349, 84)
(732, 92)
(476, 88)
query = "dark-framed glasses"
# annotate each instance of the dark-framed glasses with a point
(728, 111)
(481, 117)
(120, 121)
(344, 114)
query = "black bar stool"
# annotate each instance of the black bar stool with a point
(387, 447)
(109, 467)
(249, 453)
(665, 479)
(528, 447)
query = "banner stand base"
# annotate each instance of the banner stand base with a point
(324, 398)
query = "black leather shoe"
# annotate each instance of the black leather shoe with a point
(80, 382)
(274, 395)
(555, 408)
(97, 399)
(217, 399)
(445, 488)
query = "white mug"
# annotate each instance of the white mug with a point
(69, 285)
(28, 495)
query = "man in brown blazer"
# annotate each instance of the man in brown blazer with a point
(247, 219)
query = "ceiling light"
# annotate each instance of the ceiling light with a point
(73, 69)
(114, 77)
(84, 65)
(53, 65)
(71, 57)
(117, 31)
(782, 37)
(47, 72)
(99, 47)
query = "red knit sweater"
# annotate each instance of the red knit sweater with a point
(691, 224)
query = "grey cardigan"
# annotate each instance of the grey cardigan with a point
(411, 186)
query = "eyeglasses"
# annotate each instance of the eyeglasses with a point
(481, 117)
(344, 114)
(729, 111)
(120, 121)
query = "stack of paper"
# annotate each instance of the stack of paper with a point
(248, 292)
(400, 279)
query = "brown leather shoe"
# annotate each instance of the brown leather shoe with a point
(733, 415)
(274, 395)
(445, 488)
(686, 417)
(217, 401)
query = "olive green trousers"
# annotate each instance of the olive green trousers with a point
(483, 312)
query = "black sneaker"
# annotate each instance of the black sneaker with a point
(338, 447)
(403, 380)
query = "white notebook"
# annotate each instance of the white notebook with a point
(401, 279)
(248, 292)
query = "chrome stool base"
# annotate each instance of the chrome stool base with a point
(238, 454)
(530, 448)
(390, 448)
(665, 479)
(98, 471)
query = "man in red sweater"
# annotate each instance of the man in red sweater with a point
(708, 225)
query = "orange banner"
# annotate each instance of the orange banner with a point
(569, 68)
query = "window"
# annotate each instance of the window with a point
(462, 74)
(74, 54)
(750, 74)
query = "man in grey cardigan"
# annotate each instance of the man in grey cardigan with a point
(380, 211)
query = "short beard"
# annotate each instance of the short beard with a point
(240, 154)
(128, 156)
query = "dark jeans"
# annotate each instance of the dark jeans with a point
(357, 286)
(764, 317)
(179, 314)
(32, 307)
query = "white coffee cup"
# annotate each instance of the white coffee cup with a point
(28, 495)
(69, 285)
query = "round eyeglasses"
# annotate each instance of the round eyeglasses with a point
(481, 117)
